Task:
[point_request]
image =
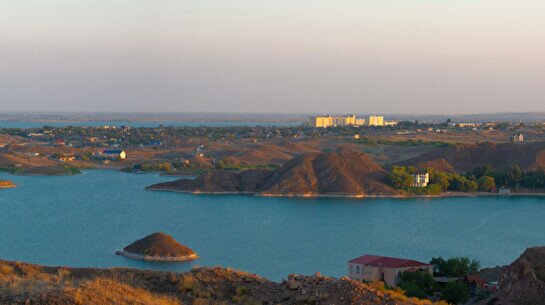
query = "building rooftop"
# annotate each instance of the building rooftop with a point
(112, 151)
(389, 262)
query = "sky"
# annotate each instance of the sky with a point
(281, 56)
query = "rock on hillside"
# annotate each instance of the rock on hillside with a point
(523, 282)
(158, 247)
(332, 173)
(466, 157)
(22, 283)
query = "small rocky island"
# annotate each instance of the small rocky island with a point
(7, 184)
(158, 247)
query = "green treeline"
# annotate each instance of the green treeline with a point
(480, 179)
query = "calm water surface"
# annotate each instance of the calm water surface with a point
(82, 220)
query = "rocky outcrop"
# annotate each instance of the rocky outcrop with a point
(7, 184)
(523, 282)
(22, 283)
(158, 247)
(314, 174)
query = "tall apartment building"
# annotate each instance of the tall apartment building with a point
(375, 120)
(330, 121)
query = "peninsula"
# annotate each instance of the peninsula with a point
(351, 174)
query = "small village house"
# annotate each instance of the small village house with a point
(114, 154)
(421, 180)
(475, 282)
(374, 268)
(517, 137)
(59, 142)
(504, 191)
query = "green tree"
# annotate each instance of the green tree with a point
(399, 177)
(456, 293)
(437, 177)
(417, 284)
(514, 176)
(455, 267)
(486, 184)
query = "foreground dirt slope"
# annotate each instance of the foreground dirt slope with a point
(331, 173)
(465, 157)
(22, 283)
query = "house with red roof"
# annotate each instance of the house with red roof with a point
(373, 268)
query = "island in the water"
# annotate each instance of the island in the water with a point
(7, 184)
(158, 247)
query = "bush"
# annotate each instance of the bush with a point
(486, 184)
(400, 178)
(456, 292)
(417, 284)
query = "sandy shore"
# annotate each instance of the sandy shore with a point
(157, 258)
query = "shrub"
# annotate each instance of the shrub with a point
(456, 292)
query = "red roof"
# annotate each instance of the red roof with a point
(388, 262)
(477, 279)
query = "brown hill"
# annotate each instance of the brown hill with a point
(522, 282)
(22, 283)
(438, 164)
(158, 246)
(218, 181)
(265, 153)
(333, 173)
(344, 173)
(465, 157)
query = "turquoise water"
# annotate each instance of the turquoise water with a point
(82, 220)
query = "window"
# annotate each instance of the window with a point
(351, 269)
(357, 269)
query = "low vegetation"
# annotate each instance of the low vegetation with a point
(421, 284)
(32, 284)
(482, 179)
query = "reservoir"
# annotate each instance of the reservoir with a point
(82, 220)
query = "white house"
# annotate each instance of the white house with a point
(517, 137)
(421, 180)
(374, 268)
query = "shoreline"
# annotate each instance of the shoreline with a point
(157, 258)
(367, 196)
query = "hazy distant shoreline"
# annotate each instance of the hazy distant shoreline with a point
(67, 117)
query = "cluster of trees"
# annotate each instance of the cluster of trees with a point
(454, 267)
(512, 177)
(421, 284)
(401, 178)
(482, 179)
(151, 167)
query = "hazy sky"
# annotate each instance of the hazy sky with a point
(379, 56)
